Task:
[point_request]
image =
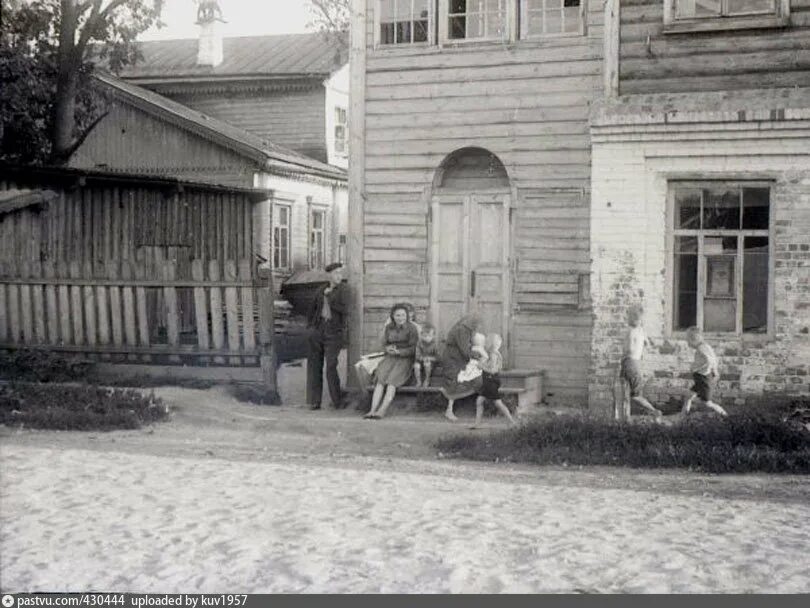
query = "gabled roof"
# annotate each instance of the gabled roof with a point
(268, 155)
(287, 55)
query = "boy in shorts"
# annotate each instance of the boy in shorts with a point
(704, 372)
(631, 361)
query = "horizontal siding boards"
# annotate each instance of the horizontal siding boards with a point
(654, 62)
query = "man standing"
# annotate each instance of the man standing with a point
(327, 323)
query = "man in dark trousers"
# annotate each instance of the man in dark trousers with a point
(327, 323)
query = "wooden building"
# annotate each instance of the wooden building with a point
(151, 275)
(301, 222)
(701, 193)
(471, 155)
(291, 89)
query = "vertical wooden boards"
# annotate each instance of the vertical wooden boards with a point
(248, 307)
(14, 318)
(63, 293)
(38, 302)
(200, 307)
(103, 310)
(611, 48)
(51, 304)
(217, 328)
(232, 310)
(170, 307)
(3, 314)
(77, 312)
(128, 297)
(141, 306)
(267, 351)
(89, 303)
(25, 305)
(116, 322)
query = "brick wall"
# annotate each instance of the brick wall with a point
(632, 164)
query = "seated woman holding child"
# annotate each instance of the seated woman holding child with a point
(399, 344)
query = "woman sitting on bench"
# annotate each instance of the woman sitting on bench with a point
(399, 343)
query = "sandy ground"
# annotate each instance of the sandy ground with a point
(229, 497)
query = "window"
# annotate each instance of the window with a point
(721, 244)
(477, 19)
(341, 125)
(317, 238)
(281, 236)
(551, 17)
(403, 21)
(700, 9)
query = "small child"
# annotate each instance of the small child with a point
(631, 361)
(704, 372)
(427, 353)
(491, 381)
(478, 353)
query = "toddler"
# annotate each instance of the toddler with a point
(491, 381)
(478, 354)
(426, 354)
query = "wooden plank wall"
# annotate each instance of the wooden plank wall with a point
(125, 141)
(528, 103)
(715, 61)
(291, 118)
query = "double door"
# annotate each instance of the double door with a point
(470, 260)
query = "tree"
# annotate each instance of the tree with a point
(48, 49)
(332, 17)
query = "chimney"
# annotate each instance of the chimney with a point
(209, 46)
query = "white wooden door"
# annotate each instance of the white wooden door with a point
(470, 260)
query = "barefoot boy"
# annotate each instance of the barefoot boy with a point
(426, 354)
(704, 372)
(491, 381)
(631, 362)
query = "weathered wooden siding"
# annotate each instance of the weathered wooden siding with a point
(293, 118)
(654, 62)
(107, 225)
(132, 141)
(528, 103)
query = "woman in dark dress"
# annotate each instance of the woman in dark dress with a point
(457, 352)
(399, 343)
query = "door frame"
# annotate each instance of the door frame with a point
(506, 195)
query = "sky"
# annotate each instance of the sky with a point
(244, 18)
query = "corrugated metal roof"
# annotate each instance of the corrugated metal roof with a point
(272, 56)
(262, 151)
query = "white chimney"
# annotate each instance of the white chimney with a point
(209, 46)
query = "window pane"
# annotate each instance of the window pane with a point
(387, 10)
(699, 8)
(686, 279)
(720, 301)
(457, 28)
(553, 22)
(420, 31)
(458, 6)
(756, 208)
(687, 209)
(573, 20)
(721, 208)
(403, 31)
(475, 25)
(386, 33)
(755, 285)
(747, 7)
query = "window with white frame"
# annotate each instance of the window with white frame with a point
(721, 253)
(341, 127)
(477, 19)
(708, 9)
(540, 18)
(317, 238)
(404, 21)
(282, 218)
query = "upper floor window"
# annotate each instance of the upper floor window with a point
(551, 17)
(695, 9)
(720, 265)
(477, 19)
(341, 125)
(403, 21)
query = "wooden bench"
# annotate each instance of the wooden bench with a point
(523, 385)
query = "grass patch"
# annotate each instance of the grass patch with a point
(256, 394)
(77, 407)
(743, 442)
(44, 366)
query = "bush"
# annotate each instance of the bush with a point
(43, 366)
(740, 443)
(77, 408)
